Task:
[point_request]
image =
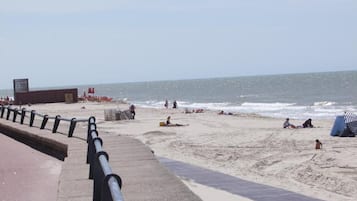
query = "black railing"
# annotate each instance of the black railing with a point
(106, 184)
(57, 119)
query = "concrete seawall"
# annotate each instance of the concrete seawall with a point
(46, 145)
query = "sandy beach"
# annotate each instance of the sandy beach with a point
(247, 146)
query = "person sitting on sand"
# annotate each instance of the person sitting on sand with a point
(226, 113)
(198, 111)
(287, 124)
(168, 122)
(187, 111)
(307, 124)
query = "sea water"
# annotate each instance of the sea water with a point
(312, 95)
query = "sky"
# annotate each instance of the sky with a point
(65, 43)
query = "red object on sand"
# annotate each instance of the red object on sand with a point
(91, 90)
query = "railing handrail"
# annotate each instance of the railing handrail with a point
(115, 189)
(106, 184)
(22, 111)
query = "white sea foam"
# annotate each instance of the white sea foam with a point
(277, 109)
(324, 103)
(248, 95)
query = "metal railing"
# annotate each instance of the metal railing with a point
(107, 185)
(23, 113)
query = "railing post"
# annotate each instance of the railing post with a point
(106, 195)
(15, 115)
(91, 154)
(8, 113)
(89, 131)
(98, 176)
(23, 113)
(91, 122)
(56, 124)
(72, 127)
(32, 117)
(90, 147)
(2, 110)
(44, 121)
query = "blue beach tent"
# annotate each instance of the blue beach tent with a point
(339, 126)
(345, 126)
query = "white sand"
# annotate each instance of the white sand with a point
(247, 146)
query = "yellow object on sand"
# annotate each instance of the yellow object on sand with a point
(162, 123)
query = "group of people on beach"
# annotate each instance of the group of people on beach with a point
(286, 124)
(225, 113)
(306, 124)
(188, 111)
(174, 104)
(6, 100)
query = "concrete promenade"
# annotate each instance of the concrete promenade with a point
(144, 176)
(23, 171)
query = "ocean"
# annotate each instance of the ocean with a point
(300, 96)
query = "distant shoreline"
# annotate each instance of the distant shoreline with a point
(80, 85)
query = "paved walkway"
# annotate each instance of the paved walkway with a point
(143, 177)
(251, 190)
(22, 169)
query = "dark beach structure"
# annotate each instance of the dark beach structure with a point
(22, 94)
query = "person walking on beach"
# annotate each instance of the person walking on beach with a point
(166, 104)
(174, 104)
(132, 111)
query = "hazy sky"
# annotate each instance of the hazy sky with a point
(71, 42)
